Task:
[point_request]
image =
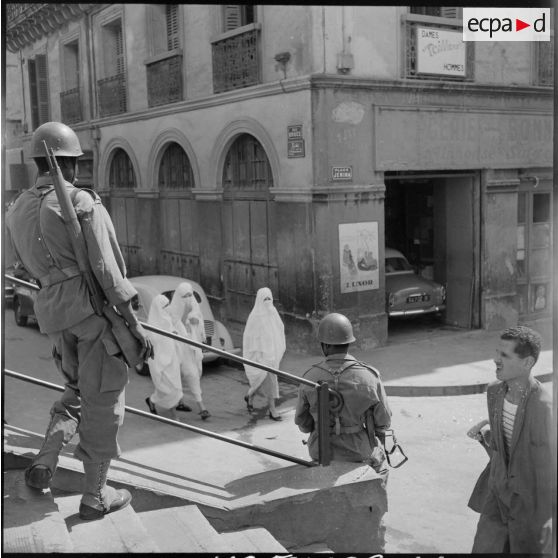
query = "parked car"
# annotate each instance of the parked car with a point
(148, 286)
(409, 294)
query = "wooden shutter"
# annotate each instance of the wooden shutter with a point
(451, 11)
(42, 88)
(233, 17)
(173, 40)
(71, 66)
(33, 94)
(119, 49)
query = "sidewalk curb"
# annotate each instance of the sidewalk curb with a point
(437, 391)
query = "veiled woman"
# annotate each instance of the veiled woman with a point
(187, 318)
(263, 342)
(165, 364)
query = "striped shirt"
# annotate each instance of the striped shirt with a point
(508, 418)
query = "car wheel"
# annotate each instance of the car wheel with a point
(143, 369)
(20, 319)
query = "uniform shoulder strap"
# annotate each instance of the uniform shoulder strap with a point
(374, 371)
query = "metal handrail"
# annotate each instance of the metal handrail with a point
(323, 391)
(186, 426)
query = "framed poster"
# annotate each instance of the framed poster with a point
(358, 256)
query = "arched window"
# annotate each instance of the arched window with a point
(175, 171)
(247, 166)
(121, 174)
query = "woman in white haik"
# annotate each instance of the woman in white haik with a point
(187, 316)
(263, 342)
(165, 363)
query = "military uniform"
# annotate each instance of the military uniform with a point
(364, 415)
(85, 349)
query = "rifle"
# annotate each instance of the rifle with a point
(129, 345)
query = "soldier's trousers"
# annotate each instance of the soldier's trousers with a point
(93, 400)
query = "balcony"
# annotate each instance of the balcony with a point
(27, 23)
(436, 51)
(70, 106)
(112, 95)
(236, 61)
(164, 81)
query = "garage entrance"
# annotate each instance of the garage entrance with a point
(434, 221)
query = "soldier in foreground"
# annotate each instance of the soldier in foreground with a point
(360, 419)
(85, 348)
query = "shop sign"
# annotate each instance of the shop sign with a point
(358, 256)
(295, 148)
(440, 52)
(342, 173)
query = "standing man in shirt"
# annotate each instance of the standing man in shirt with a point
(517, 510)
(359, 422)
(84, 347)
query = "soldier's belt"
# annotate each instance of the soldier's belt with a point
(349, 429)
(59, 275)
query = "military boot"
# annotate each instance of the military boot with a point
(60, 431)
(98, 498)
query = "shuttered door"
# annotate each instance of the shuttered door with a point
(250, 260)
(179, 242)
(123, 209)
(33, 94)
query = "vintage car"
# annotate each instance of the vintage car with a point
(148, 286)
(409, 294)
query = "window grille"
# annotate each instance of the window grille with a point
(247, 166)
(237, 15)
(121, 175)
(173, 38)
(236, 61)
(38, 89)
(175, 171)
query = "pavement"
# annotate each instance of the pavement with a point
(434, 377)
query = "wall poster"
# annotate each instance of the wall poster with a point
(358, 256)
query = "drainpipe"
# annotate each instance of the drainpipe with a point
(344, 58)
(95, 132)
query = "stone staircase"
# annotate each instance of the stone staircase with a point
(47, 521)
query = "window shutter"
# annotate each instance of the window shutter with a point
(33, 94)
(232, 17)
(71, 66)
(172, 27)
(42, 88)
(119, 49)
(451, 11)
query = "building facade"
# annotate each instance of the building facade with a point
(245, 146)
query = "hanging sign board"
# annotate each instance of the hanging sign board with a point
(440, 52)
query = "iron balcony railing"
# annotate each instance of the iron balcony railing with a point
(322, 388)
(164, 81)
(112, 95)
(70, 106)
(236, 61)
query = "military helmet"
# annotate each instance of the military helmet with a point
(61, 138)
(335, 329)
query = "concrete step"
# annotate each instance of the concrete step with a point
(181, 529)
(257, 539)
(121, 531)
(31, 519)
